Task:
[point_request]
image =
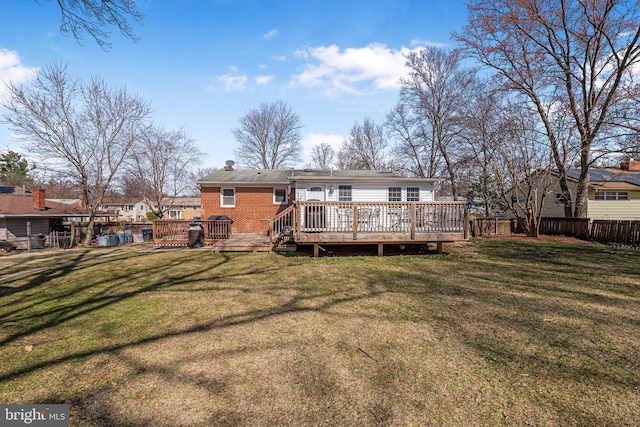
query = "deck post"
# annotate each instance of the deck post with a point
(380, 249)
(355, 221)
(316, 251)
(413, 221)
(439, 247)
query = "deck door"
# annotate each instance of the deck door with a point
(315, 193)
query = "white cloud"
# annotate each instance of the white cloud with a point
(424, 43)
(263, 80)
(233, 82)
(313, 139)
(271, 34)
(280, 57)
(12, 70)
(352, 70)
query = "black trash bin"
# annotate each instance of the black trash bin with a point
(196, 236)
(147, 234)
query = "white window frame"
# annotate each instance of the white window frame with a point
(417, 196)
(389, 189)
(286, 196)
(612, 196)
(222, 197)
(345, 197)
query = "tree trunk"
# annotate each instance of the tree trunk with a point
(89, 237)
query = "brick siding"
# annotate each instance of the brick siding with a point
(253, 205)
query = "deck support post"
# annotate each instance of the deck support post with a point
(439, 247)
(316, 251)
(380, 249)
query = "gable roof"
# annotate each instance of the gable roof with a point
(285, 176)
(181, 201)
(12, 205)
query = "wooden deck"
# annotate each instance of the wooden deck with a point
(334, 223)
(243, 242)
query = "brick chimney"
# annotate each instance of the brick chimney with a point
(631, 166)
(38, 199)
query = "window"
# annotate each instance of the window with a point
(194, 208)
(612, 195)
(279, 196)
(558, 199)
(413, 194)
(345, 193)
(395, 194)
(128, 207)
(228, 199)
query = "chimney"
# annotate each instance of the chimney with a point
(631, 166)
(38, 199)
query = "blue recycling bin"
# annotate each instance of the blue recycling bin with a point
(128, 236)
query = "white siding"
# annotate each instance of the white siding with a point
(614, 209)
(366, 193)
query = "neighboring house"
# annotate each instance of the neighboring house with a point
(251, 197)
(125, 208)
(614, 193)
(182, 207)
(18, 209)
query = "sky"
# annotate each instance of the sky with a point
(203, 64)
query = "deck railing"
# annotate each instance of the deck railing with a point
(175, 232)
(382, 217)
(282, 223)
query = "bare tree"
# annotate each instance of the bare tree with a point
(365, 148)
(483, 133)
(521, 167)
(269, 137)
(163, 161)
(322, 156)
(196, 175)
(569, 55)
(415, 153)
(94, 16)
(84, 130)
(436, 90)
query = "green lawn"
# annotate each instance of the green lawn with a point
(489, 333)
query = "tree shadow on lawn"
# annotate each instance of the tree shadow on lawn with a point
(533, 316)
(502, 319)
(112, 293)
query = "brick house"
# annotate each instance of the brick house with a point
(250, 197)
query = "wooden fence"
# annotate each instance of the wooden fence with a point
(493, 227)
(582, 228)
(574, 227)
(616, 231)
